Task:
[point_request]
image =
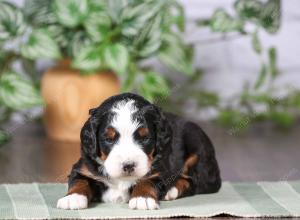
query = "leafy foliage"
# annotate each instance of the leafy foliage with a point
(153, 83)
(18, 93)
(260, 16)
(116, 56)
(100, 35)
(263, 15)
(40, 44)
(175, 55)
(110, 35)
(88, 59)
(71, 13)
(221, 21)
(11, 21)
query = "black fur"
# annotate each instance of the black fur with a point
(173, 139)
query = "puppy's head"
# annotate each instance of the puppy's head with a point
(124, 135)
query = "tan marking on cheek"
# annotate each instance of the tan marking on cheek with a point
(81, 187)
(103, 156)
(189, 163)
(84, 171)
(144, 188)
(182, 185)
(154, 175)
(143, 132)
(150, 157)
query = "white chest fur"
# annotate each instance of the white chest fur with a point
(117, 192)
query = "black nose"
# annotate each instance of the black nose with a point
(128, 167)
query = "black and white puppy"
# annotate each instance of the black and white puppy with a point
(133, 152)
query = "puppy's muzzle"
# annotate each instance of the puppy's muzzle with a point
(129, 167)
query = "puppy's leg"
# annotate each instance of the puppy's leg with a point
(79, 192)
(183, 186)
(144, 195)
(201, 166)
(78, 196)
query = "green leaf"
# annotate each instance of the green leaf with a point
(248, 9)
(153, 85)
(59, 34)
(262, 98)
(234, 119)
(71, 13)
(256, 44)
(18, 93)
(262, 76)
(79, 41)
(176, 55)
(4, 137)
(98, 25)
(149, 41)
(179, 18)
(40, 45)
(294, 99)
(134, 18)
(115, 8)
(96, 5)
(221, 21)
(129, 82)
(270, 16)
(88, 59)
(12, 22)
(282, 118)
(273, 61)
(116, 57)
(39, 13)
(206, 98)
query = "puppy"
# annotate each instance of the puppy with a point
(133, 152)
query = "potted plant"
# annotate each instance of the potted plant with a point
(99, 45)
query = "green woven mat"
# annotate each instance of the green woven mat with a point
(272, 199)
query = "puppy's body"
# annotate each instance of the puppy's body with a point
(132, 152)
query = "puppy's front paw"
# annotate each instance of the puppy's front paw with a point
(73, 201)
(143, 203)
(172, 194)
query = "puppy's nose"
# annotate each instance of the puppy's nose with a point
(128, 167)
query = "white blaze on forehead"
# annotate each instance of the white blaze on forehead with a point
(126, 149)
(123, 120)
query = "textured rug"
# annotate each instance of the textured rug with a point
(262, 199)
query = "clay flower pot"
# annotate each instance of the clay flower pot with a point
(69, 96)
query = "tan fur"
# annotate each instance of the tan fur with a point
(81, 187)
(144, 188)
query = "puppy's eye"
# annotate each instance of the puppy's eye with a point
(110, 135)
(143, 132)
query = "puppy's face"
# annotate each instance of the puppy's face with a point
(126, 140)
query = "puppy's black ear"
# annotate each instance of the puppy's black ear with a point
(88, 136)
(92, 111)
(163, 138)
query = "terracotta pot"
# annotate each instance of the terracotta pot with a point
(69, 96)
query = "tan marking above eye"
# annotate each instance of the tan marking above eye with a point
(110, 133)
(143, 132)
